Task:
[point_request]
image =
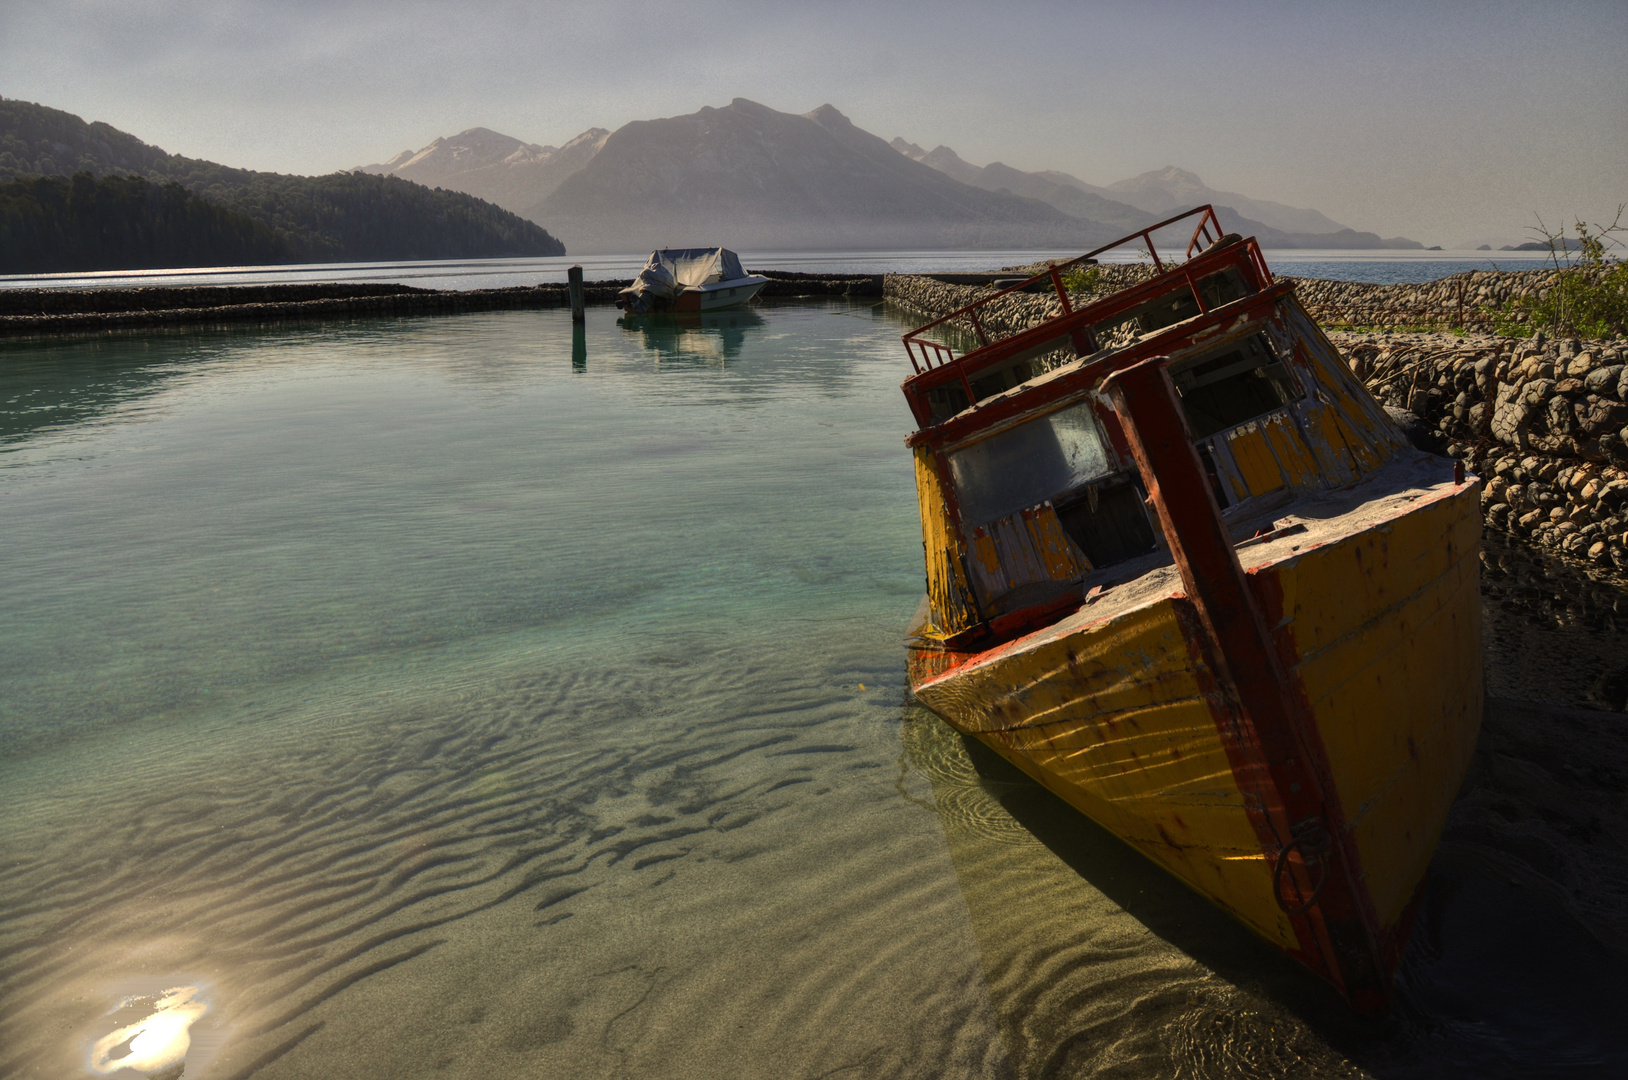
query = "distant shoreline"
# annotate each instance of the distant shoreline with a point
(74, 309)
(468, 274)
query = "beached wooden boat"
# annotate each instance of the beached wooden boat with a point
(1184, 571)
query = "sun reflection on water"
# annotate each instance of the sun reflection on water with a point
(157, 1040)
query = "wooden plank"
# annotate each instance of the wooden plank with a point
(947, 589)
(1254, 459)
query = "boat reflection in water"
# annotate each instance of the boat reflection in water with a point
(711, 338)
(1092, 962)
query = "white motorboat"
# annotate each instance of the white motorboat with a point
(690, 279)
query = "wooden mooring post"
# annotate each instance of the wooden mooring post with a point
(578, 312)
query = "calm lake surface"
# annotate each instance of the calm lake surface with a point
(462, 697)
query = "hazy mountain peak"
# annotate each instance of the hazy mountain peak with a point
(741, 105)
(1170, 174)
(1169, 190)
(1170, 187)
(591, 135)
(1068, 194)
(752, 177)
(472, 148)
(908, 149)
(482, 133)
(951, 164)
(943, 159)
(828, 117)
(490, 165)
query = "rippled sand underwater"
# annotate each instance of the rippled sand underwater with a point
(556, 874)
(429, 707)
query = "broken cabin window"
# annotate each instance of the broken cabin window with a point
(1232, 386)
(997, 380)
(1028, 464)
(1107, 520)
(945, 401)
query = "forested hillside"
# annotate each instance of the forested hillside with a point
(49, 224)
(342, 216)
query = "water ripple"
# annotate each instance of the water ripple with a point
(312, 876)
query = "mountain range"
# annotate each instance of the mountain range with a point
(756, 178)
(744, 175)
(1160, 193)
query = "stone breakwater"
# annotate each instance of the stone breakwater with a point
(47, 311)
(1461, 300)
(1545, 421)
(785, 283)
(51, 311)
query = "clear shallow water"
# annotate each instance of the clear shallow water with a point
(1379, 267)
(451, 696)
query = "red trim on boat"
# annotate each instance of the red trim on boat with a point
(1267, 711)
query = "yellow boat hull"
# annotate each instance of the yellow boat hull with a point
(1116, 709)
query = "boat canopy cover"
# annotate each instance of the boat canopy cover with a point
(671, 271)
(698, 266)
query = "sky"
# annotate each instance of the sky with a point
(1451, 123)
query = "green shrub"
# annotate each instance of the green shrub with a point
(1082, 279)
(1589, 297)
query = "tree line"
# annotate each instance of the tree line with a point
(49, 224)
(339, 217)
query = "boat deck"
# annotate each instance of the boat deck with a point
(1314, 519)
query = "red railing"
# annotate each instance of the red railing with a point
(936, 354)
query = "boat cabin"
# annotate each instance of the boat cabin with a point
(1029, 493)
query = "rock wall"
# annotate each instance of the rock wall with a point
(1460, 300)
(1545, 421)
(785, 283)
